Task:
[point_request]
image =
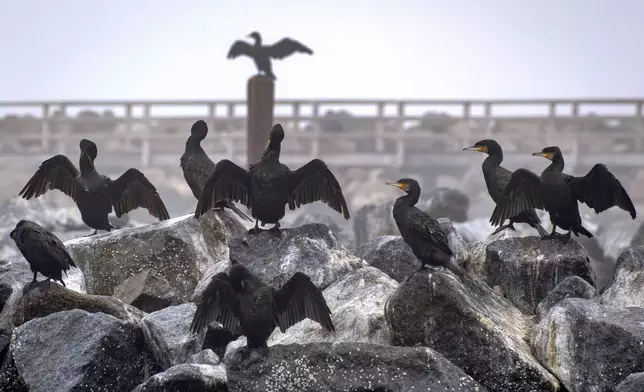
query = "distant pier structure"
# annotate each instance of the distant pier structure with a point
(344, 132)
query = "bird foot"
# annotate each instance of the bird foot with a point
(500, 229)
(93, 234)
(115, 227)
(275, 231)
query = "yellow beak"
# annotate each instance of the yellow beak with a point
(475, 148)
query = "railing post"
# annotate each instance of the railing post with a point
(145, 151)
(297, 108)
(260, 103)
(128, 124)
(639, 113)
(380, 127)
(44, 128)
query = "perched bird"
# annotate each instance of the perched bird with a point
(244, 304)
(262, 54)
(95, 194)
(420, 231)
(44, 252)
(497, 178)
(197, 166)
(558, 193)
(269, 185)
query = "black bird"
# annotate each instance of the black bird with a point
(558, 193)
(262, 54)
(244, 304)
(269, 185)
(95, 194)
(44, 252)
(198, 167)
(420, 231)
(497, 178)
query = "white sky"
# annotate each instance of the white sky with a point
(171, 49)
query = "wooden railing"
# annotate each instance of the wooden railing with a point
(367, 133)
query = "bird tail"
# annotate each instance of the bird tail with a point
(582, 230)
(239, 212)
(540, 229)
(456, 269)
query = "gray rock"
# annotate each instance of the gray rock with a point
(147, 291)
(571, 287)
(311, 249)
(187, 377)
(527, 269)
(357, 302)
(588, 346)
(179, 249)
(627, 286)
(204, 357)
(76, 350)
(391, 255)
(322, 214)
(167, 332)
(474, 328)
(339, 367)
(632, 383)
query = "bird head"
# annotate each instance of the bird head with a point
(549, 153)
(88, 147)
(14, 233)
(277, 135)
(199, 129)
(488, 146)
(406, 184)
(237, 274)
(255, 35)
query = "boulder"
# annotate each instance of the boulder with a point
(311, 249)
(472, 326)
(147, 291)
(179, 249)
(187, 377)
(336, 367)
(391, 255)
(588, 346)
(632, 383)
(571, 287)
(76, 350)
(322, 214)
(527, 269)
(204, 357)
(357, 303)
(168, 335)
(627, 286)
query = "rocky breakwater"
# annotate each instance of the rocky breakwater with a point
(526, 318)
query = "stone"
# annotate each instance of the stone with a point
(204, 357)
(391, 255)
(588, 346)
(147, 291)
(632, 383)
(187, 377)
(627, 286)
(571, 287)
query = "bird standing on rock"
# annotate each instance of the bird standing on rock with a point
(93, 193)
(559, 194)
(421, 232)
(244, 304)
(44, 252)
(497, 178)
(198, 167)
(269, 185)
(262, 54)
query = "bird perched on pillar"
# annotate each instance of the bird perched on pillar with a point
(262, 54)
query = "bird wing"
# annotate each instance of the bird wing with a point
(57, 172)
(196, 171)
(298, 299)
(219, 302)
(312, 182)
(133, 190)
(286, 47)
(424, 226)
(503, 177)
(43, 243)
(522, 193)
(601, 190)
(239, 48)
(227, 182)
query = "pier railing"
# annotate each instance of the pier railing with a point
(369, 133)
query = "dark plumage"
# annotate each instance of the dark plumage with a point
(95, 194)
(44, 252)
(198, 167)
(244, 304)
(269, 185)
(420, 231)
(262, 54)
(497, 178)
(558, 193)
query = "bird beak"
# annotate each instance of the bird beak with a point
(547, 155)
(475, 148)
(12, 234)
(396, 184)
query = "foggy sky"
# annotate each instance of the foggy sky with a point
(170, 49)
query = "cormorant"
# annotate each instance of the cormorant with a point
(198, 167)
(262, 54)
(558, 193)
(269, 185)
(420, 231)
(44, 252)
(497, 178)
(95, 194)
(244, 304)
